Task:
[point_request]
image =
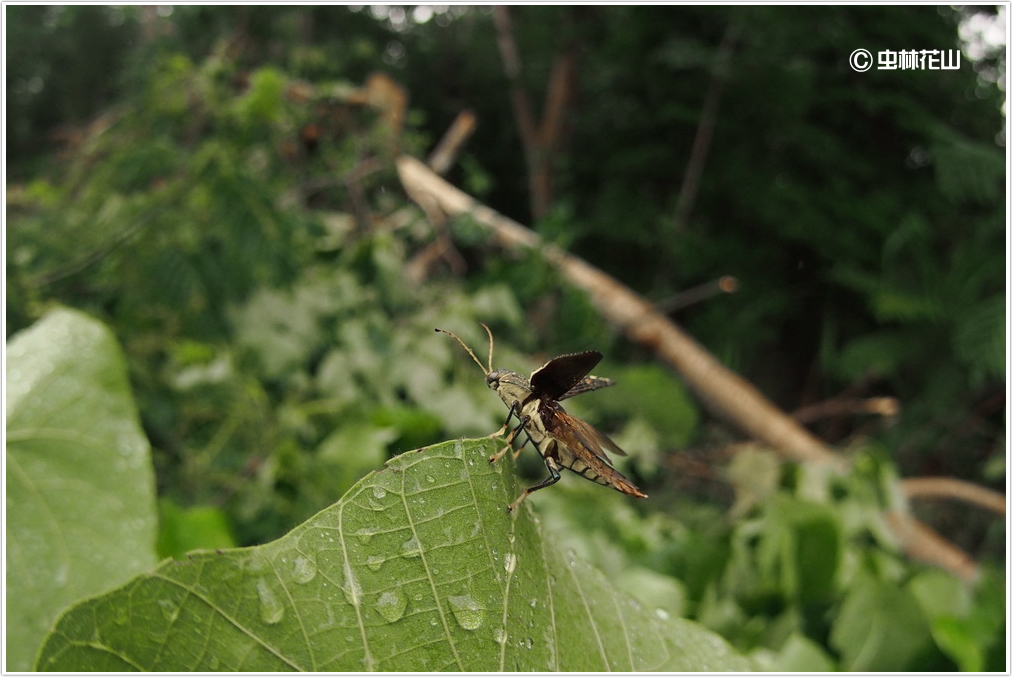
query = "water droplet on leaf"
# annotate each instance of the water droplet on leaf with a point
(391, 605)
(122, 615)
(271, 608)
(511, 563)
(411, 548)
(375, 562)
(466, 612)
(303, 569)
(366, 534)
(169, 609)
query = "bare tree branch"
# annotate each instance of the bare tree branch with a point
(636, 317)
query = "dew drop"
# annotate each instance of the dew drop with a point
(271, 609)
(533, 603)
(391, 605)
(253, 563)
(303, 569)
(62, 575)
(662, 614)
(375, 562)
(511, 563)
(169, 609)
(330, 622)
(411, 548)
(122, 615)
(466, 612)
(430, 479)
(366, 534)
(500, 635)
(379, 492)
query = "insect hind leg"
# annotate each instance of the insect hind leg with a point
(553, 477)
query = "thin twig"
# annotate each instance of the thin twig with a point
(949, 487)
(511, 64)
(94, 256)
(540, 141)
(725, 284)
(704, 131)
(847, 406)
(445, 153)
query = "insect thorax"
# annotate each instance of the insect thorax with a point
(511, 386)
(516, 388)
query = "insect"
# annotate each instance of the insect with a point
(562, 440)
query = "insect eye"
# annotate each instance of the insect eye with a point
(492, 379)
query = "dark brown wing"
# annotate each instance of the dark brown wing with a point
(587, 445)
(590, 437)
(586, 385)
(560, 374)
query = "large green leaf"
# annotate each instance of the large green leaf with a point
(80, 489)
(418, 567)
(880, 627)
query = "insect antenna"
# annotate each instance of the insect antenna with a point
(491, 344)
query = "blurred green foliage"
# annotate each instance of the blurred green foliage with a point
(220, 198)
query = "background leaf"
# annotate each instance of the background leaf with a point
(80, 490)
(418, 567)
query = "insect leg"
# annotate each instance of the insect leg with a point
(553, 469)
(522, 426)
(516, 452)
(513, 434)
(506, 424)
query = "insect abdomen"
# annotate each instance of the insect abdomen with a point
(609, 478)
(581, 468)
